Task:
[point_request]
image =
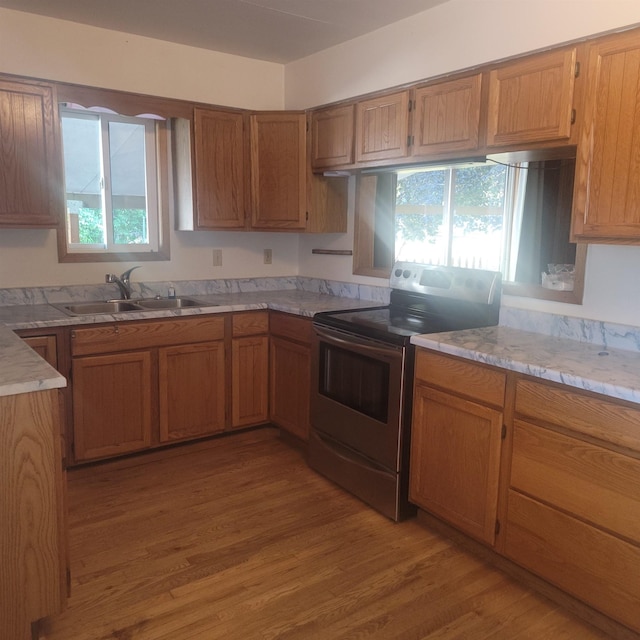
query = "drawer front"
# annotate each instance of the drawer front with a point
(461, 376)
(291, 326)
(607, 420)
(596, 484)
(125, 336)
(588, 563)
(250, 323)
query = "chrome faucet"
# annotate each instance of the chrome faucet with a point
(123, 282)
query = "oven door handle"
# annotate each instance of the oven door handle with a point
(356, 344)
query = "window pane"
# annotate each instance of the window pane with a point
(128, 183)
(477, 217)
(420, 233)
(83, 179)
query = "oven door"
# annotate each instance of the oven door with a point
(356, 396)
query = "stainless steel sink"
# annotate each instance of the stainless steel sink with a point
(119, 306)
(92, 308)
(168, 303)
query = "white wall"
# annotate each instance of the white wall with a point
(41, 47)
(450, 37)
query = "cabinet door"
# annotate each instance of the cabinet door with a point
(290, 386)
(382, 127)
(250, 380)
(45, 347)
(455, 461)
(278, 171)
(607, 199)
(332, 137)
(447, 117)
(219, 169)
(191, 381)
(30, 166)
(532, 100)
(112, 402)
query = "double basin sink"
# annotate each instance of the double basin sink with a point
(119, 306)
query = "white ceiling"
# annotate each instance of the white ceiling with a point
(274, 30)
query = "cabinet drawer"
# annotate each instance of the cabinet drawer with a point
(590, 564)
(291, 326)
(124, 336)
(250, 323)
(596, 484)
(461, 376)
(607, 420)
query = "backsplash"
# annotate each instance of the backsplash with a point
(606, 334)
(103, 291)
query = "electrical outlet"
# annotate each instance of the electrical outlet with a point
(217, 257)
(268, 257)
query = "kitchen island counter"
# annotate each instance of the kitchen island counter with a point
(591, 367)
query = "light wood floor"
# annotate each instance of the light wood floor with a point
(237, 539)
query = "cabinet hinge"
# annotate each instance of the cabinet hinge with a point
(573, 116)
(576, 72)
(409, 141)
(307, 127)
(497, 527)
(410, 104)
(503, 433)
(306, 216)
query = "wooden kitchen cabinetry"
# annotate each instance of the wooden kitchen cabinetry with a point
(573, 514)
(45, 346)
(290, 368)
(456, 442)
(332, 133)
(606, 204)
(250, 368)
(138, 384)
(278, 171)
(219, 170)
(446, 117)
(382, 127)
(33, 579)
(531, 100)
(31, 186)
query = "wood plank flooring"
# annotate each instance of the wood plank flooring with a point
(236, 538)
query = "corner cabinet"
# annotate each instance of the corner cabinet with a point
(532, 100)
(456, 442)
(219, 179)
(31, 187)
(606, 206)
(278, 171)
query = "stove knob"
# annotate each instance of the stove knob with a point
(398, 273)
(406, 273)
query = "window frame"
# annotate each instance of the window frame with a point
(129, 104)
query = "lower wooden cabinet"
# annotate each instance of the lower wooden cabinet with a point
(250, 368)
(456, 445)
(290, 373)
(191, 381)
(139, 384)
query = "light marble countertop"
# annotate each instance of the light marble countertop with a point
(612, 372)
(23, 371)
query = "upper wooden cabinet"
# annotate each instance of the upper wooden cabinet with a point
(606, 203)
(31, 184)
(382, 127)
(332, 137)
(219, 169)
(446, 117)
(531, 100)
(278, 170)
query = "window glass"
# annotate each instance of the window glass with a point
(110, 182)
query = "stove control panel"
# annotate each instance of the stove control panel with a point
(471, 285)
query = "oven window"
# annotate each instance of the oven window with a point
(356, 381)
